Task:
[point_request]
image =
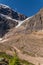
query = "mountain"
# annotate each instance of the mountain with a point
(21, 35)
(8, 19)
(27, 36)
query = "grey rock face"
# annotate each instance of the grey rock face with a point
(6, 24)
(12, 13)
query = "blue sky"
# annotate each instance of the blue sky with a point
(27, 7)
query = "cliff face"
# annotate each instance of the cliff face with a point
(8, 19)
(6, 24)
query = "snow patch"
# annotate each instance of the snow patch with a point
(5, 6)
(21, 22)
(0, 39)
(8, 17)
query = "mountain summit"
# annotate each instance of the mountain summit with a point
(6, 10)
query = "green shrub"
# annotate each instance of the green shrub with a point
(14, 61)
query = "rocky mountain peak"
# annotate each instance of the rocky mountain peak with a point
(6, 10)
